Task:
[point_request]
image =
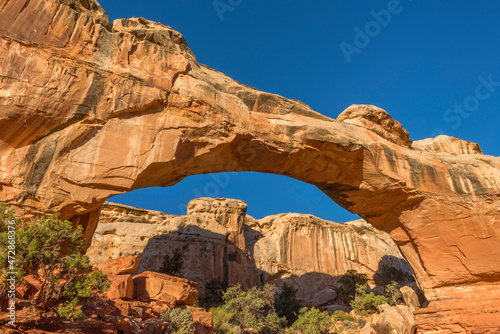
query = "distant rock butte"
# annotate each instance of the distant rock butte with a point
(219, 241)
(92, 109)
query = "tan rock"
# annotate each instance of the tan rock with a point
(399, 318)
(156, 286)
(377, 120)
(367, 329)
(122, 286)
(284, 247)
(447, 144)
(411, 296)
(91, 110)
(120, 266)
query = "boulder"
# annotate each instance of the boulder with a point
(399, 318)
(155, 286)
(332, 308)
(202, 317)
(411, 296)
(28, 288)
(324, 296)
(120, 266)
(154, 326)
(122, 286)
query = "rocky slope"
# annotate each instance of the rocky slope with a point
(219, 241)
(91, 109)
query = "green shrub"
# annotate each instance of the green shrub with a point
(349, 324)
(180, 321)
(349, 282)
(247, 309)
(213, 293)
(382, 328)
(361, 322)
(172, 265)
(313, 321)
(392, 293)
(366, 303)
(221, 321)
(65, 276)
(341, 316)
(286, 303)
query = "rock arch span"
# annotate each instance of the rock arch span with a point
(90, 110)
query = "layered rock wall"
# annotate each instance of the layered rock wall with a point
(219, 241)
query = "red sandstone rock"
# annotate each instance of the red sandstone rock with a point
(91, 110)
(122, 286)
(156, 286)
(28, 288)
(202, 317)
(120, 266)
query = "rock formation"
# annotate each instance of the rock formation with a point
(133, 304)
(92, 109)
(219, 241)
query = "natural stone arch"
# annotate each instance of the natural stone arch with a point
(91, 110)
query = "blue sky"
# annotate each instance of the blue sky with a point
(434, 66)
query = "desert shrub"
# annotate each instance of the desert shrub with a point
(247, 309)
(286, 303)
(349, 282)
(214, 290)
(64, 274)
(349, 324)
(392, 293)
(361, 322)
(172, 265)
(382, 328)
(366, 302)
(341, 316)
(313, 321)
(180, 321)
(221, 321)
(391, 274)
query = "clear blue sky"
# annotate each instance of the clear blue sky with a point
(417, 63)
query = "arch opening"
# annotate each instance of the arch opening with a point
(265, 194)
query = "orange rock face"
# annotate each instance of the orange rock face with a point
(155, 286)
(121, 286)
(91, 110)
(120, 266)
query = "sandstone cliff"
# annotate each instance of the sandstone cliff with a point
(91, 109)
(218, 240)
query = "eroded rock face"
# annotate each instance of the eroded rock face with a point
(219, 241)
(90, 110)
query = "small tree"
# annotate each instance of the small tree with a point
(172, 265)
(286, 303)
(180, 321)
(349, 282)
(64, 275)
(313, 321)
(248, 309)
(392, 293)
(213, 292)
(391, 274)
(366, 303)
